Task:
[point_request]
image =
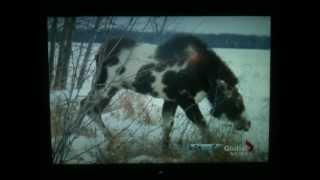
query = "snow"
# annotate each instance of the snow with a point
(253, 69)
(251, 66)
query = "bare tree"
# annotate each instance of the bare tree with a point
(163, 25)
(72, 116)
(158, 28)
(75, 67)
(52, 47)
(87, 54)
(64, 54)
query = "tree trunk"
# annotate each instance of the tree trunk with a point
(87, 55)
(64, 54)
(52, 48)
(163, 25)
(75, 75)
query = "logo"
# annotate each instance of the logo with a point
(249, 145)
(204, 147)
(234, 150)
(240, 150)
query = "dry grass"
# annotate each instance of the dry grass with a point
(58, 115)
(113, 152)
(127, 106)
(88, 132)
(56, 120)
(124, 148)
(135, 106)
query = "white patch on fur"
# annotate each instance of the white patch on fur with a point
(200, 96)
(158, 85)
(167, 121)
(132, 60)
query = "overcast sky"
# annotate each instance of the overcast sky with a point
(247, 25)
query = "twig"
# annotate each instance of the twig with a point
(77, 122)
(92, 147)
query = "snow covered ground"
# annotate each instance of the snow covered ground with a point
(253, 69)
(135, 119)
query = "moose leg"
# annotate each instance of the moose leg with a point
(193, 112)
(168, 112)
(98, 107)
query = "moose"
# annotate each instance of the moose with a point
(182, 71)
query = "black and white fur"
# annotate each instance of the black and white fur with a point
(182, 71)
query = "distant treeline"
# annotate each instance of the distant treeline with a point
(213, 40)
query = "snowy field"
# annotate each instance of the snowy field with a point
(134, 120)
